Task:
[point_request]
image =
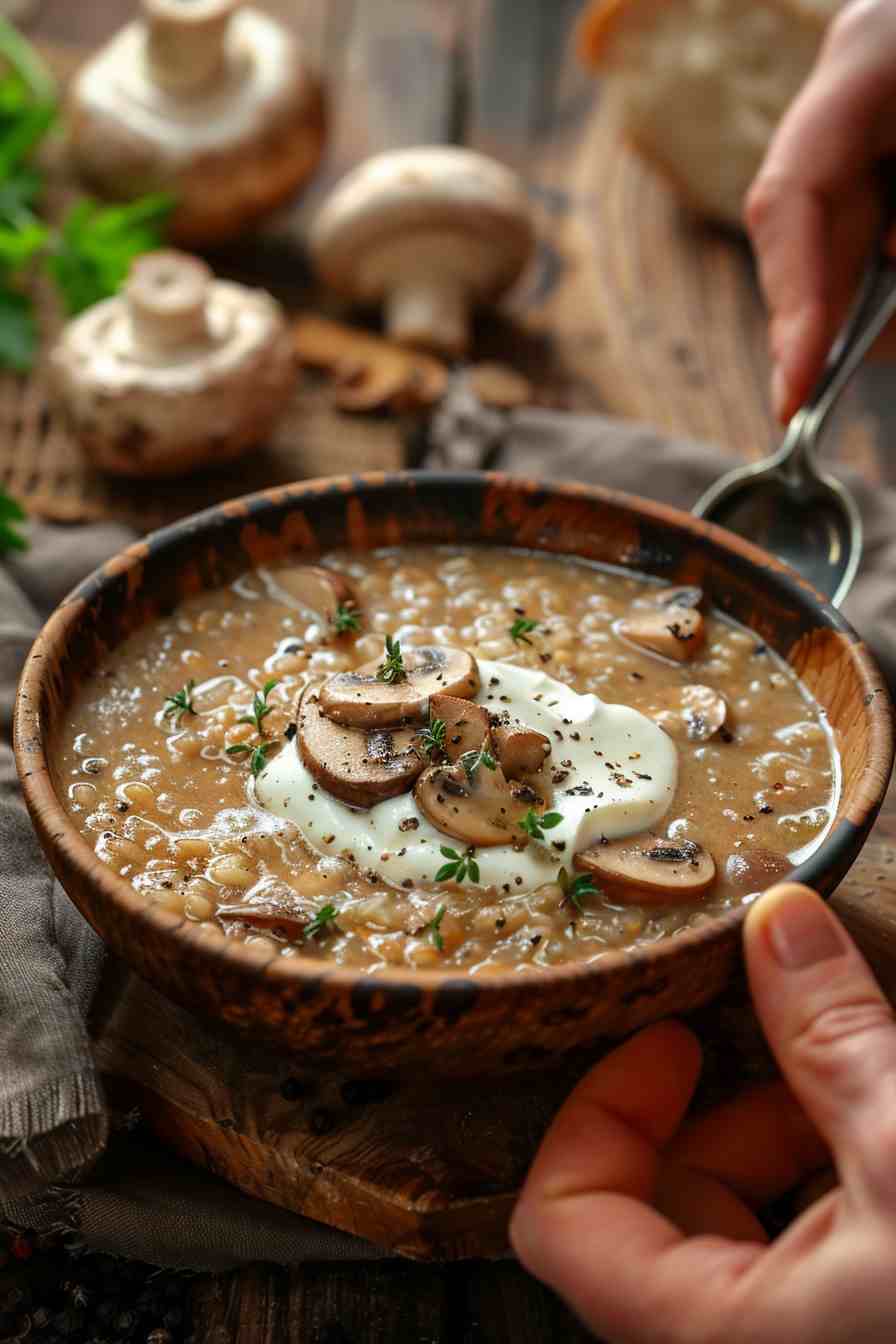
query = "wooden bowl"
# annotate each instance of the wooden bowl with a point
(448, 1023)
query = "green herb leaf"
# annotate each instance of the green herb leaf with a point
(28, 98)
(472, 760)
(259, 758)
(180, 703)
(98, 243)
(521, 629)
(391, 669)
(432, 739)
(576, 889)
(535, 825)
(18, 330)
(322, 923)
(260, 707)
(11, 512)
(432, 928)
(238, 749)
(346, 618)
(459, 866)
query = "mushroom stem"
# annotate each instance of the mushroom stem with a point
(185, 46)
(167, 296)
(431, 312)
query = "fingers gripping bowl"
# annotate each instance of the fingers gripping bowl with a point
(362, 970)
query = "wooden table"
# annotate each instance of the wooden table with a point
(632, 308)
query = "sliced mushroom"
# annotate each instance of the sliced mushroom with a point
(322, 591)
(644, 870)
(466, 724)
(363, 700)
(370, 371)
(481, 811)
(520, 751)
(689, 713)
(676, 633)
(359, 767)
(275, 913)
(681, 595)
(756, 869)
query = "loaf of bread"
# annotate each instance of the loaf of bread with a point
(698, 86)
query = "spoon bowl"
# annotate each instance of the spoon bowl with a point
(785, 503)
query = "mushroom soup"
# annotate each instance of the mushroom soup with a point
(441, 757)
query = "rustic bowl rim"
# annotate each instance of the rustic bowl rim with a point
(227, 956)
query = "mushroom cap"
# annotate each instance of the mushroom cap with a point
(151, 406)
(230, 152)
(474, 211)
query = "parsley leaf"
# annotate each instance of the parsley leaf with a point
(432, 928)
(576, 889)
(11, 513)
(97, 243)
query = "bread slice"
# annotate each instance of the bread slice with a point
(698, 86)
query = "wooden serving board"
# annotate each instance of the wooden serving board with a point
(428, 1169)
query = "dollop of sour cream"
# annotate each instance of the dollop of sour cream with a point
(619, 775)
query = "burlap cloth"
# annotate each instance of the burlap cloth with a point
(61, 1167)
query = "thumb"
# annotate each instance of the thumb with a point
(831, 1030)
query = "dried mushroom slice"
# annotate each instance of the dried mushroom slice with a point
(466, 724)
(481, 810)
(691, 713)
(674, 632)
(520, 751)
(321, 591)
(644, 870)
(361, 767)
(362, 700)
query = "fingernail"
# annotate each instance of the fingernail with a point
(800, 930)
(780, 392)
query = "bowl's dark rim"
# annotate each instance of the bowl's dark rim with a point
(834, 854)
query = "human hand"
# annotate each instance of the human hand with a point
(648, 1228)
(813, 210)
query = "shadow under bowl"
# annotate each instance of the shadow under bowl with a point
(398, 1020)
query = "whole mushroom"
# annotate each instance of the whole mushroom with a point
(209, 99)
(179, 370)
(429, 233)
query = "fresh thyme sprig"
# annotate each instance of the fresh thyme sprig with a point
(323, 922)
(433, 927)
(575, 889)
(471, 761)
(391, 669)
(346, 618)
(458, 865)
(260, 707)
(179, 704)
(432, 739)
(535, 825)
(521, 629)
(257, 753)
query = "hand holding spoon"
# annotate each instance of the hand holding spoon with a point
(786, 503)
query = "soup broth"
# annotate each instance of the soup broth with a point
(193, 772)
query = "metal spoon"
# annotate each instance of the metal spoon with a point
(785, 502)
